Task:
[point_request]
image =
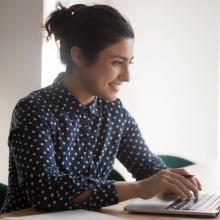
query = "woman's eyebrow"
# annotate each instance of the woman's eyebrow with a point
(123, 58)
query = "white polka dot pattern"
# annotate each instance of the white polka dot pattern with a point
(59, 148)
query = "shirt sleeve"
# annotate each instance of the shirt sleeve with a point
(33, 150)
(135, 155)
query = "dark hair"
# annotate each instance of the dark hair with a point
(91, 28)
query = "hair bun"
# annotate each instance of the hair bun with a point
(72, 9)
(59, 19)
(76, 8)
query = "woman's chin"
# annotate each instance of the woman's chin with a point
(110, 98)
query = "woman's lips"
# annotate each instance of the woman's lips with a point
(116, 86)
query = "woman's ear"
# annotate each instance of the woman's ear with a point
(77, 56)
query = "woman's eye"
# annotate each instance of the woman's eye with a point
(117, 63)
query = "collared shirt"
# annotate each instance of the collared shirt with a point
(59, 148)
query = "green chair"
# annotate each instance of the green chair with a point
(115, 175)
(3, 191)
(174, 161)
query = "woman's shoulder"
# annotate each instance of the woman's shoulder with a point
(34, 100)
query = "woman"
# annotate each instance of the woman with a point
(64, 138)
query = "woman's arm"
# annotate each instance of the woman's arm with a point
(171, 181)
(31, 144)
(153, 175)
(134, 154)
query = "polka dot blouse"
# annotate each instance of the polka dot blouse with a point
(59, 148)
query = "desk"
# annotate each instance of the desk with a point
(209, 175)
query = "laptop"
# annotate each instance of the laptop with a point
(204, 205)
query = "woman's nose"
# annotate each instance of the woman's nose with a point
(125, 75)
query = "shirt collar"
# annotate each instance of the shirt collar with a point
(68, 101)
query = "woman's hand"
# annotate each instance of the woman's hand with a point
(170, 180)
(192, 179)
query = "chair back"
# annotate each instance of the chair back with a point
(115, 175)
(175, 162)
(3, 191)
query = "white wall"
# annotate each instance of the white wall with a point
(174, 89)
(20, 62)
(173, 93)
(219, 82)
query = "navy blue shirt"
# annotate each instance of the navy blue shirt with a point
(59, 148)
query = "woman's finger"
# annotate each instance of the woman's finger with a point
(179, 185)
(198, 184)
(174, 188)
(193, 181)
(186, 182)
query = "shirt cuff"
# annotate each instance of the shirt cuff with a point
(104, 194)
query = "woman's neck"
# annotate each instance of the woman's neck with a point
(73, 84)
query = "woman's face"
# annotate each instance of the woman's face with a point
(106, 75)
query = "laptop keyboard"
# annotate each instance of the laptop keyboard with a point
(203, 202)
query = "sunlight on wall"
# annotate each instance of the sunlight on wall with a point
(51, 64)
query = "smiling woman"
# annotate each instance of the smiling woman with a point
(64, 138)
(103, 77)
